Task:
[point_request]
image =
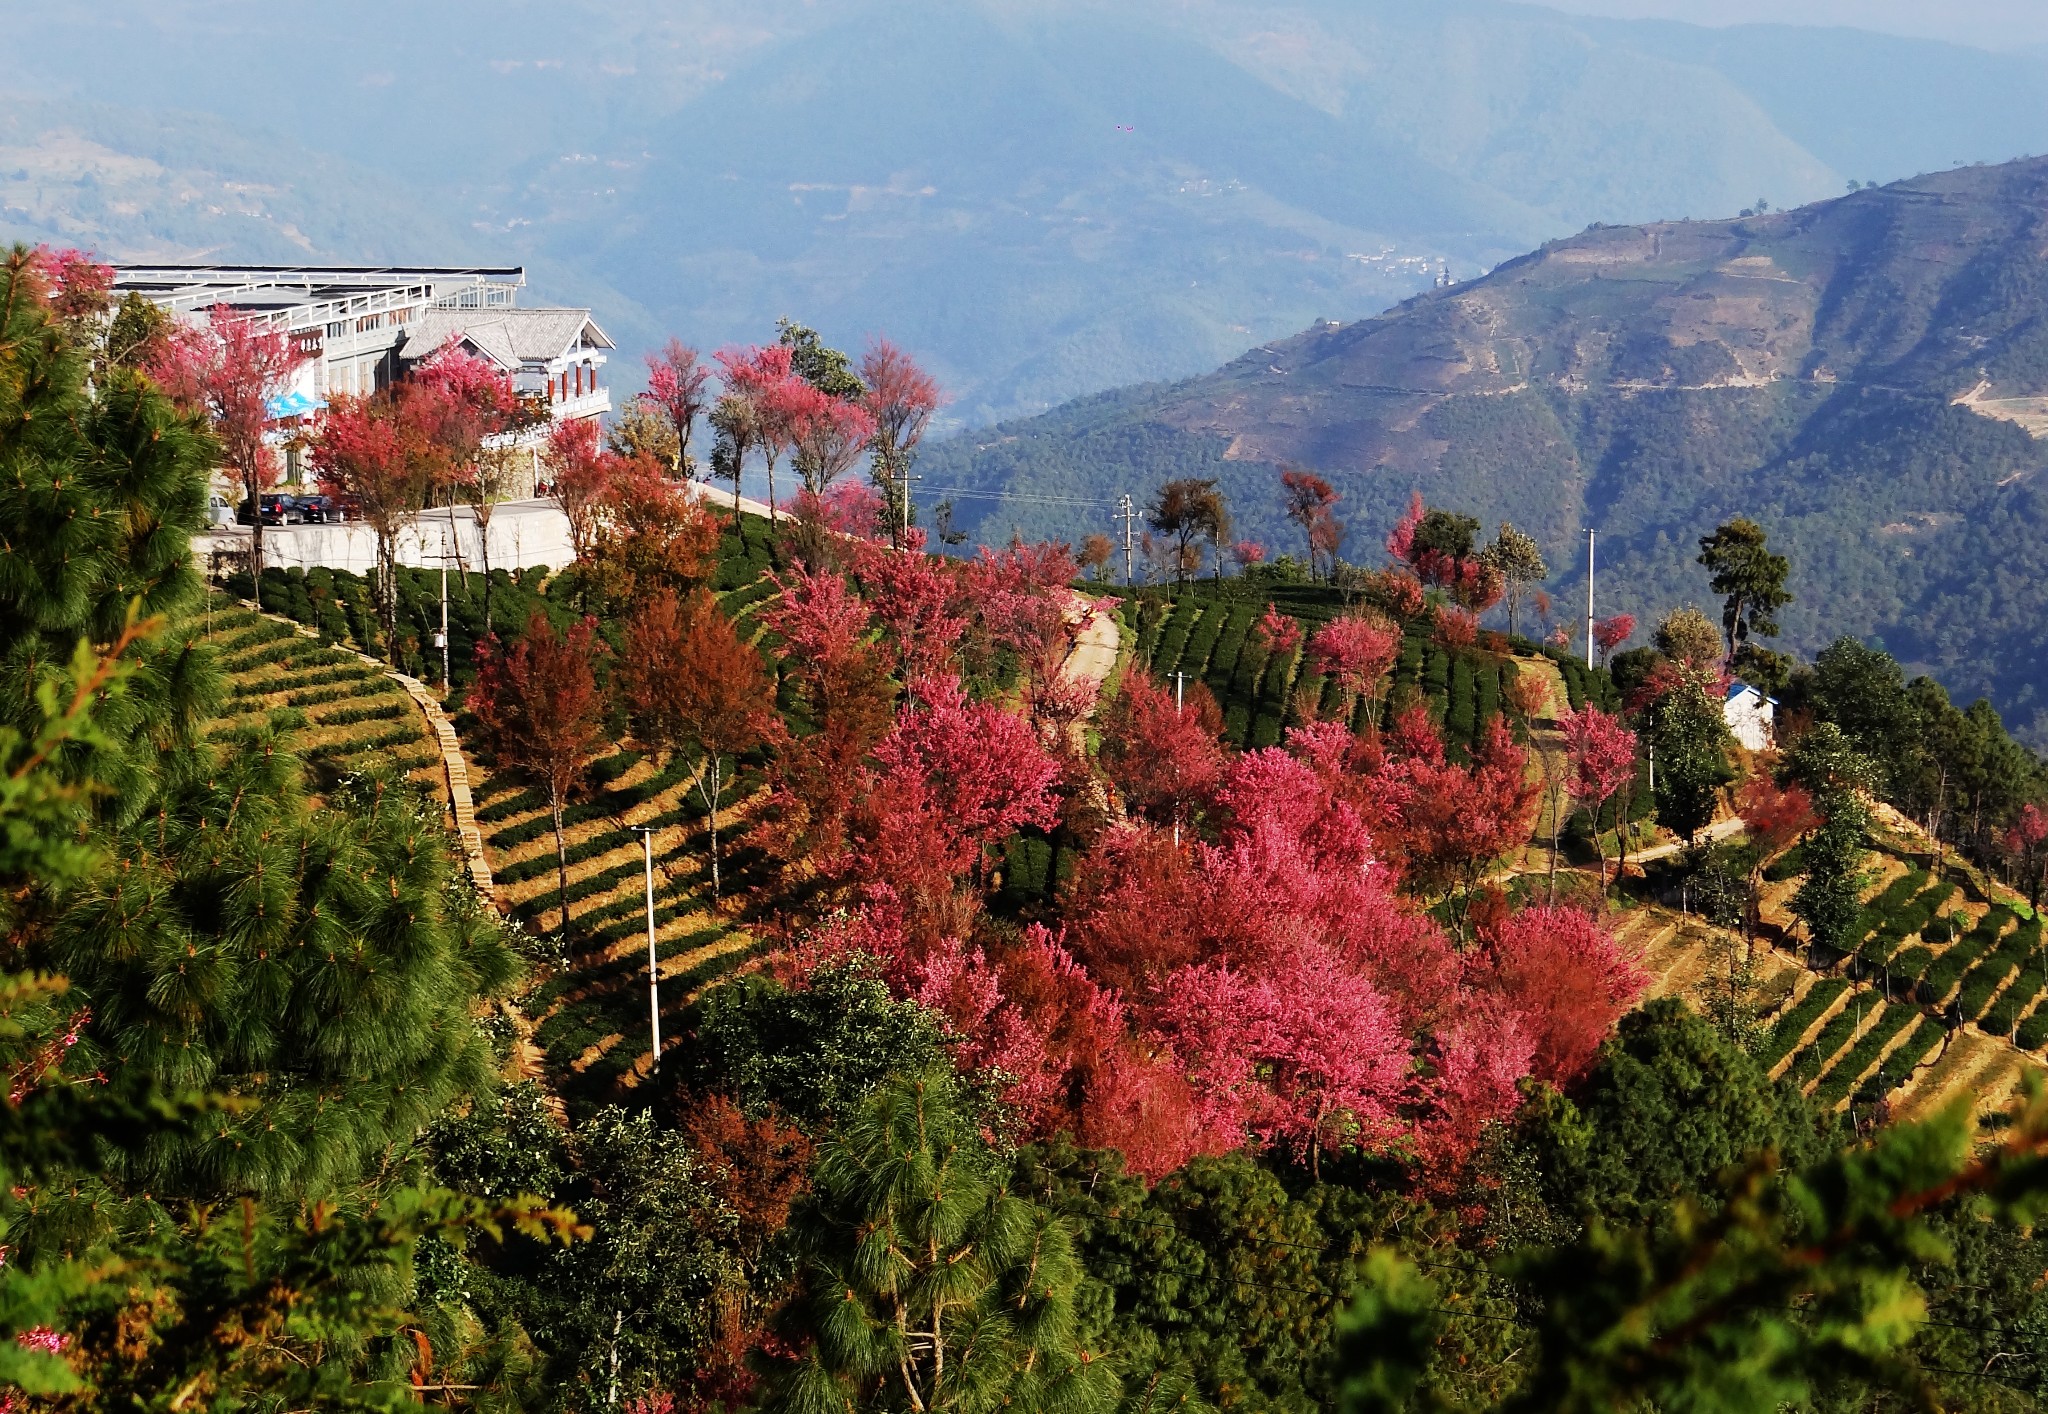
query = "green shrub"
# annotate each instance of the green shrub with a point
(1173, 638)
(1491, 673)
(1910, 964)
(1266, 730)
(1460, 715)
(1906, 1057)
(1831, 1039)
(1194, 660)
(1893, 1019)
(1792, 1022)
(1279, 668)
(369, 712)
(1788, 865)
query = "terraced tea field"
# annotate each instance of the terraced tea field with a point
(1943, 995)
(591, 1016)
(1214, 641)
(345, 714)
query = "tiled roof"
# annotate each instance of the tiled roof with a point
(509, 337)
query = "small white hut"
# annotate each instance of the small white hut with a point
(1749, 715)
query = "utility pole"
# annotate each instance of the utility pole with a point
(1591, 537)
(646, 833)
(903, 508)
(1129, 516)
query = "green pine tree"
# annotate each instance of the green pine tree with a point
(929, 1285)
(1830, 897)
(317, 964)
(1691, 739)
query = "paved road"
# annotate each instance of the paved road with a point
(1716, 832)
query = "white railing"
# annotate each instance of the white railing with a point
(476, 292)
(592, 402)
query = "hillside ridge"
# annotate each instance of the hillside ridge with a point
(1857, 373)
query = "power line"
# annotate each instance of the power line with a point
(973, 493)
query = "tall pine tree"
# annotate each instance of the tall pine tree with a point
(315, 964)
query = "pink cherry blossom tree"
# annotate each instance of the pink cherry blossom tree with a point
(901, 398)
(756, 410)
(676, 386)
(1306, 1054)
(1602, 755)
(831, 434)
(230, 370)
(1610, 634)
(1279, 634)
(1357, 649)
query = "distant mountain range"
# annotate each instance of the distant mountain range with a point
(1867, 376)
(1044, 197)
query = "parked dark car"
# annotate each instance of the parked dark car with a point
(322, 510)
(277, 509)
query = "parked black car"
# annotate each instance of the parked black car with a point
(277, 508)
(320, 510)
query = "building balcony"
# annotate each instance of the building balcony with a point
(591, 402)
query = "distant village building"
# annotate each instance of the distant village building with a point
(361, 327)
(1749, 715)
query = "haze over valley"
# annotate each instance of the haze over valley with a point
(1044, 199)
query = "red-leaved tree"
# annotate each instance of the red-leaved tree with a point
(367, 451)
(676, 388)
(1311, 503)
(900, 398)
(919, 601)
(751, 413)
(77, 287)
(1610, 634)
(1165, 759)
(949, 783)
(1602, 755)
(230, 370)
(646, 533)
(1775, 815)
(543, 712)
(1562, 973)
(691, 681)
(840, 681)
(579, 474)
(1457, 819)
(2023, 841)
(470, 416)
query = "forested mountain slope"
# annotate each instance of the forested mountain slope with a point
(1855, 373)
(1043, 198)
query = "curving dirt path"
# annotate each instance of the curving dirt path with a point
(1097, 643)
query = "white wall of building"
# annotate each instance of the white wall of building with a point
(1750, 716)
(523, 534)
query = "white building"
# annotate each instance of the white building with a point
(1749, 715)
(360, 327)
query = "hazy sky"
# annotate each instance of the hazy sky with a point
(1994, 24)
